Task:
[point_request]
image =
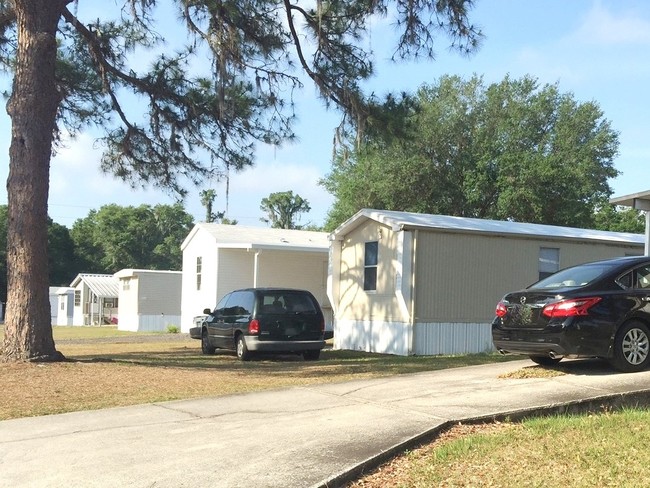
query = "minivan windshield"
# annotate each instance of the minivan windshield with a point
(574, 277)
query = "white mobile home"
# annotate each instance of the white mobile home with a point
(405, 283)
(149, 300)
(95, 299)
(220, 258)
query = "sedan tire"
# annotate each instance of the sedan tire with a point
(632, 347)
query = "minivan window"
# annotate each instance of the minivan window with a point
(240, 303)
(282, 302)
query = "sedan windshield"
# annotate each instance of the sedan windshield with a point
(573, 277)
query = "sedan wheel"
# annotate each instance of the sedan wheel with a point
(632, 347)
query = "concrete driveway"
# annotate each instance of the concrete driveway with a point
(300, 437)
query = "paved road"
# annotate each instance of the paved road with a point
(312, 436)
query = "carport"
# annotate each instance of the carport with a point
(638, 201)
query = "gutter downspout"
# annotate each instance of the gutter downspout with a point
(412, 314)
(256, 267)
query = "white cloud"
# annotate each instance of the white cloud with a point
(604, 27)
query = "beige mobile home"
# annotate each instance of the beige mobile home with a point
(405, 283)
(220, 258)
(150, 300)
(95, 299)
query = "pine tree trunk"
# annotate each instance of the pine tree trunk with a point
(32, 108)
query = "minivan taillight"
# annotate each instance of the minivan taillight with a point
(501, 310)
(570, 308)
(254, 327)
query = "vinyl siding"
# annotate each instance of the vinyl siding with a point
(460, 277)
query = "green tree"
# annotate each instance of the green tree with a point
(63, 266)
(619, 219)
(69, 72)
(512, 150)
(144, 237)
(283, 208)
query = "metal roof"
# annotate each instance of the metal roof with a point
(241, 237)
(640, 201)
(102, 285)
(407, 220)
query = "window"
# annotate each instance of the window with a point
(199, 265)
(77, 298)
(126, 284)
(370, 260)
(549, 261)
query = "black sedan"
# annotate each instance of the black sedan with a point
(599, 309)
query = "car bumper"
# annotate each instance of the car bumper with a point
(256, 345)
(195, 332)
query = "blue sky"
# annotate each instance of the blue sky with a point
(596, 49)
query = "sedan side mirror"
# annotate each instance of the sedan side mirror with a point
(207, 311)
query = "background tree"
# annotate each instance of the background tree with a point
(207, 200)
(619, 219)
(144, 237)
(512, 150)
(69, 72)
(63, 265)
(283, 208)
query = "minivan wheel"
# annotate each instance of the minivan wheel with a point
(545, 360)
(242, 351)
(311, 355)
(631, 347)
(206, 348)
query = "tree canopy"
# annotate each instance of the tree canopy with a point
(70, 72)
(513, 150)
(144, 237)
(283, 208)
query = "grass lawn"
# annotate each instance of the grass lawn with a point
(107, 367)
(605, 450)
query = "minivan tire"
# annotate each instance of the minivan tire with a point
(240, 347)
(311, 355)
(206, 348)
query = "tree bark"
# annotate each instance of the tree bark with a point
(32, 107)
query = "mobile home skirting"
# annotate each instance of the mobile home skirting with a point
(452, 338)
(372, 336)
(148, 323)
(429, 339)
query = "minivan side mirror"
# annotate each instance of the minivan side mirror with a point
(207, 311)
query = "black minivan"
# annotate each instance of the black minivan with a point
(259, 320)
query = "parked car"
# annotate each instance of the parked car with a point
(263, 320)
(599, 309)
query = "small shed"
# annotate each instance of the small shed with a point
(95, 299)
(150, 300)
(220, 258)
(406, 283)
(65, 306)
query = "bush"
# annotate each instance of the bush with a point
(173, 329)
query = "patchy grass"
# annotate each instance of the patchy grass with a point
(107, 368)
(605, 450)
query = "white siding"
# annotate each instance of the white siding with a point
(193, 301)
